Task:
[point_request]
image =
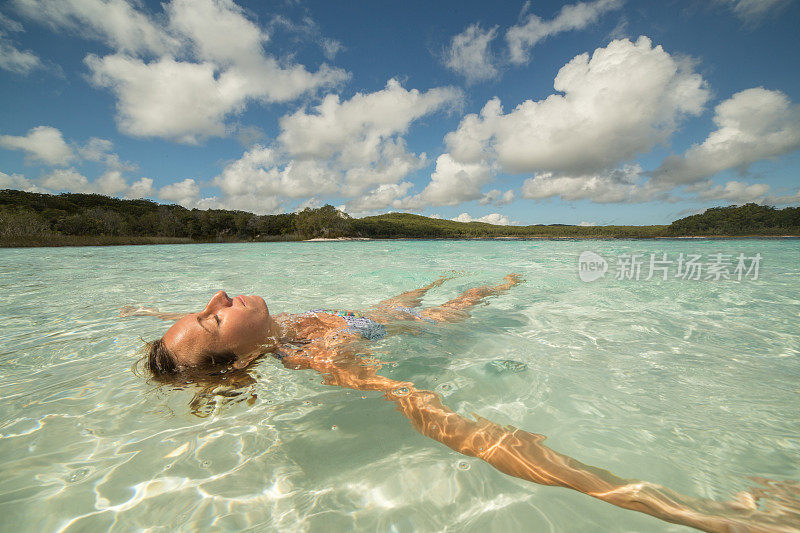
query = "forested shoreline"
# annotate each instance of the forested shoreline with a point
(71, 219)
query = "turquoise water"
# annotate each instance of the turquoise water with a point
(694, 385)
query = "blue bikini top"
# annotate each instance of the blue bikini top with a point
(356, 323)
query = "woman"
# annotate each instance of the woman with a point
(230, 333)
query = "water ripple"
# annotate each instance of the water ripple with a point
(689, 385)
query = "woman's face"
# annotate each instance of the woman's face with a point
(239, 325)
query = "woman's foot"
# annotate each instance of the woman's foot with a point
(511, 280)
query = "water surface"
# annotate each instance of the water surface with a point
(688, 384)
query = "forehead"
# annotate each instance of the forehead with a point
(187, 339)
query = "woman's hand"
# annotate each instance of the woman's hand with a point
(138, 310)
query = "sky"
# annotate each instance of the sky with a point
(537, 112)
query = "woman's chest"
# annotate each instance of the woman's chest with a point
(305, 328)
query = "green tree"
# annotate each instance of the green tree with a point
(327, 221)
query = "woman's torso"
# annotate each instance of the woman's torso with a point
(324, 326)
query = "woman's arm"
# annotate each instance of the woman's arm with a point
(132, 310)
(521, 454)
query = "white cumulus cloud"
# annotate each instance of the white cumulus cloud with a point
(451, 183)
(260, 176)
(492, 218)
(189, 102)
(620, 102)
(338, 147)
(751, 125)
(785, 199)
(185, 193)
(18, 182)
(115, 22)
(331, 47)
(66, 179)
(334, 126)
(110, 183)
(141, 188)
(99, 150)
(166, 98)
(753, 11)
(497, 197)
(611, 106)
(625, 184)
(9, 24)
(311, 203)
(42, 144)
(46, 144)
(184, 75)
(381, 197)
(18, 61)
(308, 29)
(522, 37)
(736, 192)
(470, 53)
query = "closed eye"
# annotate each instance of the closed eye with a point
(217, 319)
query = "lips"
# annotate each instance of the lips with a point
(241, 300)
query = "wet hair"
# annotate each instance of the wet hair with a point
(215, 381)
(160, 362)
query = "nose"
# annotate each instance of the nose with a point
(217, 302)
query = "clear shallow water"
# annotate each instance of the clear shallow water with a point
(694, 385)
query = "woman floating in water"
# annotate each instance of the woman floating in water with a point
(230, 333)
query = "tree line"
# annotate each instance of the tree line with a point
(748, 219)
(31, 219)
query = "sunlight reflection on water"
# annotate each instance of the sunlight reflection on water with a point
(692, 385)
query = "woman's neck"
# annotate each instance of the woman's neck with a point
(276, 330)
(289, 329)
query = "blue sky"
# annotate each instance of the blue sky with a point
(599, 112)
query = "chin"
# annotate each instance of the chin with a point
(264, 304)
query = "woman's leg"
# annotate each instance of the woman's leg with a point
(411, 298)
(456, 309)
